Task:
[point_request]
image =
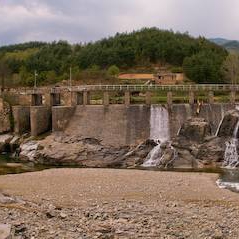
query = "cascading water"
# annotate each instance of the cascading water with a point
(231, 155)
(159, 132)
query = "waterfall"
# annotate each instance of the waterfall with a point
(159, 132)
(159, 123)
(231, 155)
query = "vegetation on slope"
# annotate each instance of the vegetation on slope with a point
(201, 59)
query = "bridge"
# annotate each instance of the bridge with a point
(80, 95)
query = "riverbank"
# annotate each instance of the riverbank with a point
(111, 203)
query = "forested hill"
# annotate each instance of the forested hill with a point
(230, 45)
(200, 58)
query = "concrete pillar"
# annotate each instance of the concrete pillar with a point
(148, 98)
(210, 97)
(74, 96)
(127, 98)
(169, 98)
(106, 98)
(36, 100)
(86, 97)
(191, 97)
(233, 97)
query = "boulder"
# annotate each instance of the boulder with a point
(211, 153)
(28, 151)
(195, 129)
(229, 123)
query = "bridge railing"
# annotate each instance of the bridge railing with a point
(186, 88)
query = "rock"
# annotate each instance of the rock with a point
(5, 231)
(14, 143)
(228, 124)
(50, 214)
(211, 153)
(5, 199)
(5, 139)
(195, 129)
(63, 215)
(28, 151)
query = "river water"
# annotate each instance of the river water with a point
(10, 166)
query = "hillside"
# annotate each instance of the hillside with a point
(94, 60)
(230, 45)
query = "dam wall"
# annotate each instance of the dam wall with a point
(40, 117)
(114, 125)
(121, 125)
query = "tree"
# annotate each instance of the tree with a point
(113, 71)
(4, 72)
(230, 68)
(203, 67)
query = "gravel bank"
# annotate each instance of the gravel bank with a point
(110, 203)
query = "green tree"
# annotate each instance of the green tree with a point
(203, 67)
(113, 71)
(230, 68)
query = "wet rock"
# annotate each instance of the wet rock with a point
(228, 124)
(4, 142)
(14, 143)
(212, 152)
(5, 231)
(195, 129)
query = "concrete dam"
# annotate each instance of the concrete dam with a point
(71, 111)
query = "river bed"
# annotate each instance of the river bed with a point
(229, 178)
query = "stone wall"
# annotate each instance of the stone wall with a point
(40, 119)
(21, 115)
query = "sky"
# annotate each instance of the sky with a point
(90, 20)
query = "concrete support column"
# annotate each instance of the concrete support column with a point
(36, 100)
(127, 98)
(74, 98)
(86, 97)
(148, 98)
(191, 97)
(169, 98)
(210, 97)
(106, 98)
(233, 97)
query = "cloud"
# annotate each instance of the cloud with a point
(86, 20)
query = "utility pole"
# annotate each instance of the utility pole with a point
(70, 78)
(35, 79)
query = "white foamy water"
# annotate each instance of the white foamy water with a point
(159, 132)
(231, 154)
(159, 123)
(229, 185)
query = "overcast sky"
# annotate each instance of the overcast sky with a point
(87, 20)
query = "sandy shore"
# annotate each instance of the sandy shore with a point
(128, 203)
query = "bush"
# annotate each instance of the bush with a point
(113, 71)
